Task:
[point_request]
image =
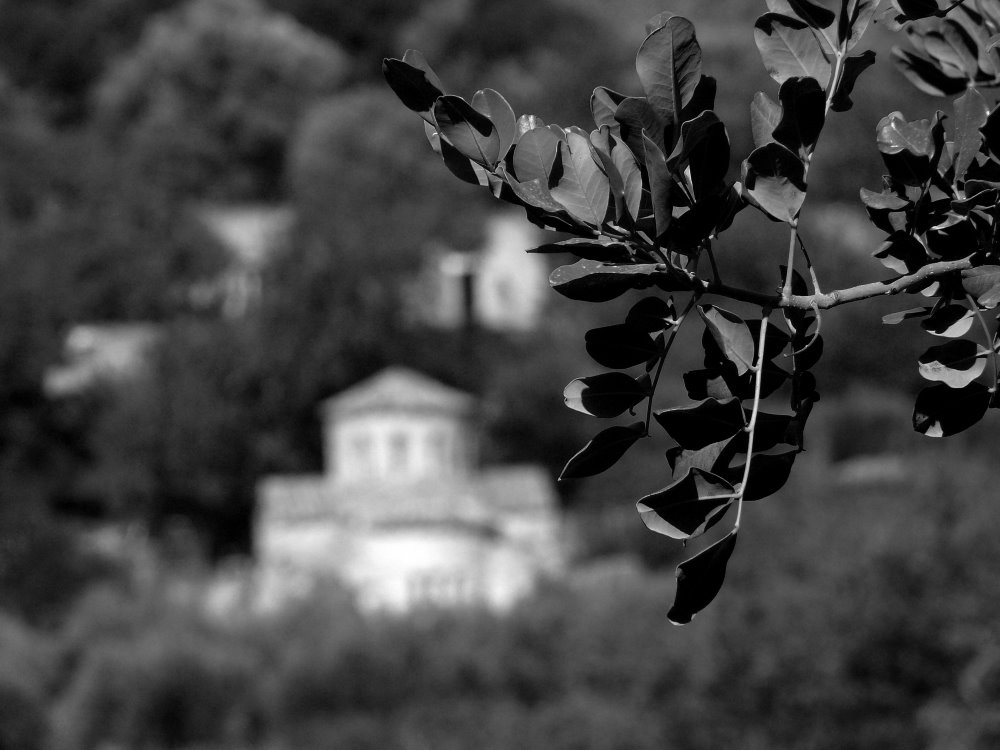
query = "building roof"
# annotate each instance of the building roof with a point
(400, 390)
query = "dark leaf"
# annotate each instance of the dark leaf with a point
(706, 383)
(707, 422)
(774, 181)
(902, 253)
(535, 193)
(606, 395)
(636, 117)
(941, 411)
(768, 473)
(412, 80)
(789, 49)
(956, 363)
(604, 251)
(916, 9)
(652, 314)
(620, 346)
(700, 579)
(702, 99)
(815, 15)
(688, 507)
(950, 321)
(631, 175)
(591, 281)
(886, 200)
(854, 66)
(991, 131)
(971, 111)
(659, 185)
(669, 68)
(468, 130)
(803, 110)
(855, 21)
(713, 458)
(603, 143)
(983, 283)
(704, 147)
(603, 451)
(731, 335)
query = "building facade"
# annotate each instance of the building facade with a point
(402, 514)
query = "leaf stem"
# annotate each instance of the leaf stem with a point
(989, 341)
(663, 357)
(793, 231)
(751, 427)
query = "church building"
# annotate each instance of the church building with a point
(403, 515)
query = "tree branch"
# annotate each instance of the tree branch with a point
(827, 300)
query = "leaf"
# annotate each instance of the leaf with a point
(971, 112)
(636, 117)
(898, 317)
(469, 131)
(950, 321)
(854, 66)
(916, 9)
(713, 458)
(707, 422)
(704, 147)
(895, 134)
(774, 181)
(606, 395)
(789, 49)
(927, 76)
(902, 253)
(583, 188)
(702, 99)
(857, 18)
(603, 251)
(956, 363)
(983, 283)
(991, 131)
(887, 201)
(535, 155)
(688, 507)
(526, 123)
(659, 185)
(591, 281)
(669, 67)
(652, 314)
(534, 193)
(700, 578)
(765, 114)
(803, 110)
(941, 411)
(731, 334)
(412, 80)
(492, 104)
(603, 451)
(815, 15)
(620, 346)
(603, 104)
(603, 143)
(624, 162)
(768, 473)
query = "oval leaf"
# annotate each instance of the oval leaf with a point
(789, 49)
(492, 104)
(592, 281)
(603, 451)
(606, 395)
(468, 130)
(774, 181)
(941, 411)
(956, 363)
(535, 155)
(652, 314)
(669, 68)
(583, 189)
(710, 421)
(620, 346)
(700, 579)
(983, 283)
(688, 507)
(731, 335)
(950, 321)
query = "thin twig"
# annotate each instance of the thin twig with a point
(752, 425)
(989, 340)
(663, 358)
(815, 336)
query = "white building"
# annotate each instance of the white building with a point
(101, 354)
(499, 286)
(402, 515)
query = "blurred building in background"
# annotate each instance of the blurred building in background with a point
(499, 286)
(402, 515)
(101, 353)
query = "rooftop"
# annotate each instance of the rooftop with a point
(398, 389)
